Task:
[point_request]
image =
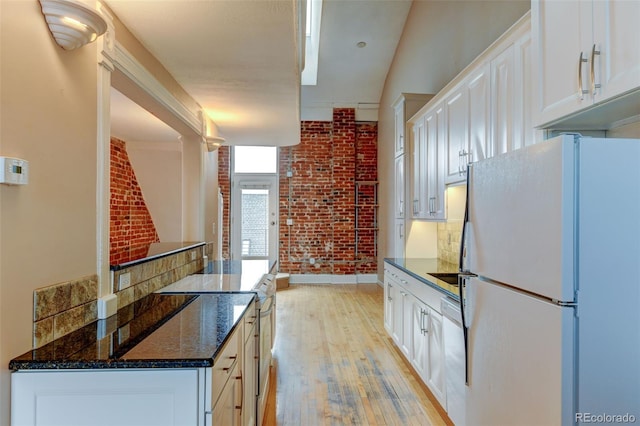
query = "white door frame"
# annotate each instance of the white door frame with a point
(259, 181)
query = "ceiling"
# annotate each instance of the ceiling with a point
(239, 60)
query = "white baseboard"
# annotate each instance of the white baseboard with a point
(333, 279)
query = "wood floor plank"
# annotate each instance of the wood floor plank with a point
(334, 363)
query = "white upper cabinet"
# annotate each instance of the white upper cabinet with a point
(399, 126)
(399, 202)
(418, 170)
(456, 139)
(616, 36)
(488, 110)
(502, 101)
(434, 134)
(524, 131)
(404, 107)
(511, 83)
(427, 185)
(586, 52)
(478, 86)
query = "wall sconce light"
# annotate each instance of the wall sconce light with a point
(72, 23)
(214, 142)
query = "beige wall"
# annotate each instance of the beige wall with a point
(158, 169)
(440, 38)
(48, 117)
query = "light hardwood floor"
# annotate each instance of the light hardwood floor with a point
(334, 363)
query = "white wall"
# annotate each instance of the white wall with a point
(158, 168)
(49, 117)
(440, 38)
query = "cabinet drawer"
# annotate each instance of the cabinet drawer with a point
(249, 321)
(224, 364)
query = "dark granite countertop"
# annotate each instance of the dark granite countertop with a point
(422, 268)
(157, 331)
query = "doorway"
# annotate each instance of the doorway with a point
(254, 205)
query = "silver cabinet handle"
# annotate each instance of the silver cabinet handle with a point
(401, 210)
(594, 85)
(581, 91)
(400, 234)
(423, 314)
(463, 160)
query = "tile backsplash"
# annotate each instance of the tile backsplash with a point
(449, 234)
(64, 307)
(150, 276)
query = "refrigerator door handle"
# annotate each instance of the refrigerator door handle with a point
(461, 280)
(465, 329)
(463, 239)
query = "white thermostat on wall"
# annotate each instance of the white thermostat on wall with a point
(14, 171)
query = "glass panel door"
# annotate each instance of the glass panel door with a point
(255, 218)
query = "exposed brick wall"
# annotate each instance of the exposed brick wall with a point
(320, 197)
(131, 225)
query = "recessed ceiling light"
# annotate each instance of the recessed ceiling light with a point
(361, 44)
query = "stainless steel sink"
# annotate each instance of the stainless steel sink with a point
(448, 277)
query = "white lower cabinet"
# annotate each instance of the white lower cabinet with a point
(228, 408)
(224, 394)
(420, 341)
(416, 327)
(154, 397)
(398, 317)
(435, 371)
(250, 369)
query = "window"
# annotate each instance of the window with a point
(255, 159)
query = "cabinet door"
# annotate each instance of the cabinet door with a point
(479, 113)
(396, 299)
(456, 124)
(407, 322)
(502, 102)
(418, 182)
(398, 239)
(435, 370)
(524, 132)
(399, 203)
(388, 303)
(420, 336)
(434, 175)
(616, 36)
(560, 29)
(249, 377)
(161, 397)
(399, 126)
(227, 410)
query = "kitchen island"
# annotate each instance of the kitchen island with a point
(166, 359)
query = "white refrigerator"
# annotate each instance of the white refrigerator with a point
(551, 253)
